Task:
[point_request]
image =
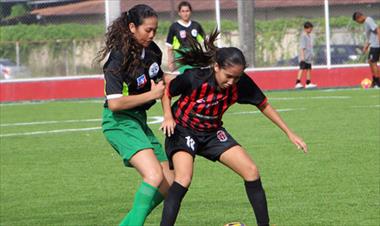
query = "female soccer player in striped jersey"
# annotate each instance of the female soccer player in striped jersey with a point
(194, 124)
(132, 83)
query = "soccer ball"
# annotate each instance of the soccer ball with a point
(235, 224)
(366, 83)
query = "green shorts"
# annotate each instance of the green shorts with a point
(181, 68)
(128, 133)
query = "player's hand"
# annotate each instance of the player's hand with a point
(297, 141)
(157, 90)
(167, 126)
(365, 48)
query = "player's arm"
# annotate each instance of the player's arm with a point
(378, 34)
(273, 115)
(132, 101)
(116, 99)
(169, 44)
(365, 47)
(174, 86)
(168, 124)
(170, 59)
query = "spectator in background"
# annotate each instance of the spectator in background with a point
(373, 43)
(178, 35)
(305, 57)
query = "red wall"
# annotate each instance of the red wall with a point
(74, 88)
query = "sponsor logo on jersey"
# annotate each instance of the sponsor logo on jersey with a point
(194, 33)
(182, 33)
(153, 70)
(141, 81)
(221, 135)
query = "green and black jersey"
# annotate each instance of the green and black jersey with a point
(178, 33)
(118, 83)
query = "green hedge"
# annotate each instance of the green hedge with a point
(79, 31)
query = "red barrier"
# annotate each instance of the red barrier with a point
(324, 78)
(93, 87)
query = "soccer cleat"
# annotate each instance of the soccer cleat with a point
(298, 86)
(310, 86)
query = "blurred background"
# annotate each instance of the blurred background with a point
(50, 38)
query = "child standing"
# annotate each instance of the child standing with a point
(373, 44)
(305, 57)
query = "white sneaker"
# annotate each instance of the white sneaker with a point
(298, 86)
(310, 86)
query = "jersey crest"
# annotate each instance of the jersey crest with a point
(194, 32)
(182, 33)
(141, 81)
(153, 70)
(221, 135)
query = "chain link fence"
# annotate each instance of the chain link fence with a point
(61, 38)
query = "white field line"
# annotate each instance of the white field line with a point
(311, 98)
(101, 101)
(48, 132)
(97, 101)
(367, 106)
(153, 120)
(48, 122)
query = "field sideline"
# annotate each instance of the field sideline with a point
(56, 168)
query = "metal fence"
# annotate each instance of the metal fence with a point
(276, 27)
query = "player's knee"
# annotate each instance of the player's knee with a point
(251, 173)
(184, 180)
(154, 177)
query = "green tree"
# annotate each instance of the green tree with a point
(18, 10)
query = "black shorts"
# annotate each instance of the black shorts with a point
(374, 54)
(304, 65)
(207, 144)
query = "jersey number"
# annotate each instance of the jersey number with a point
(190, 142)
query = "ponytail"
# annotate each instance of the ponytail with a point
(196, 56)
(224, 57)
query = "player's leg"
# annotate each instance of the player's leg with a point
(168, 175)
(183, 168)
(237, 159)
(164, 187)
(309, 84)
(146, 163)
(299, 76)
(373, 58)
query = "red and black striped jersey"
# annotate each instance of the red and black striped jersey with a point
(202, 103)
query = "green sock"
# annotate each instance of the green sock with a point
(141, 205)
(157, 199)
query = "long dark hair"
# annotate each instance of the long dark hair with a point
(120, 38)
(198, 57)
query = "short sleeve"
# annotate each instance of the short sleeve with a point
(303, 43)
(249, 92)
(180, 84)
(170, 37)
(371, 24)
(113, 86)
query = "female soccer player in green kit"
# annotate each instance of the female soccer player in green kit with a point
(133, 81)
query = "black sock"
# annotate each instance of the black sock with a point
(256, 196)
(308, 82)
(172, 204)
(298, 81)
(375, 80)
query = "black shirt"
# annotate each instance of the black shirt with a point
(178, 33)
(202, 103)
(119, 83)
